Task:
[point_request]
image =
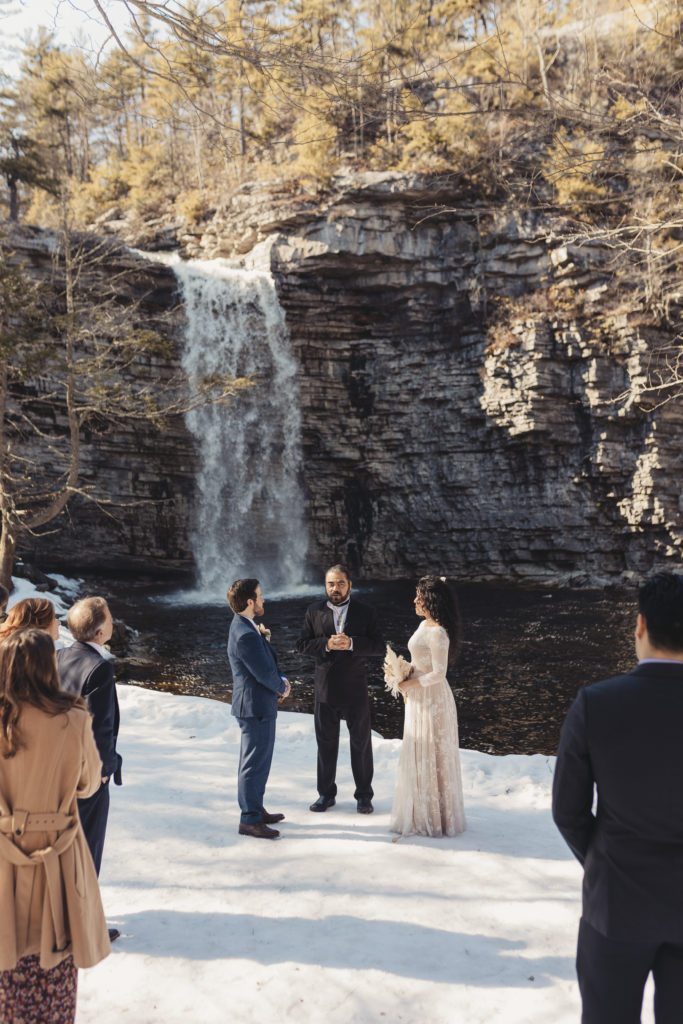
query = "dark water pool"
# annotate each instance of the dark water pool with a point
(525, 654)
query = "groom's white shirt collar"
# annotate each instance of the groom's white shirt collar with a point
(246, 617)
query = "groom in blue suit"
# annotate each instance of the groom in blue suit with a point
(257, 685)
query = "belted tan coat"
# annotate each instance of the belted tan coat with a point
(49, 897)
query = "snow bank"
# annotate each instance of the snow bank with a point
(338, 921)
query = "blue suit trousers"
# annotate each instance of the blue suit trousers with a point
(256, 755)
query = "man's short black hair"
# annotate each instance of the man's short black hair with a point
(242, 591)
(340, 569)
(660, 602)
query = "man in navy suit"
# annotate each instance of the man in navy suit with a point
(256, 687)
(624, 737)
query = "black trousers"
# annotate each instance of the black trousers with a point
(327, 721)
(612, 976)
(93, 812)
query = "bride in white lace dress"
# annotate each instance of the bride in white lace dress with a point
(428, 797)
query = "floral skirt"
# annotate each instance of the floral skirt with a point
(31, 995)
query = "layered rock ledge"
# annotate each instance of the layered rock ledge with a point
(472, 390)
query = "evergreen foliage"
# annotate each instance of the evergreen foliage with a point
(527, 100)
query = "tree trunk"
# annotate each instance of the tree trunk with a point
(544, 72)
(240, 121)
(13, 200)
(8, 547)
(8, 540)
(62, 496)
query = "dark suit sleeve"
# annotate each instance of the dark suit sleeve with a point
(262, 666)
(370, 643)
(100, 691)
(573, 782)
(308, 642)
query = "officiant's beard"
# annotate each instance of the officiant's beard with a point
(339, 598)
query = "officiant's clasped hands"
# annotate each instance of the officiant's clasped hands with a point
(339, 642)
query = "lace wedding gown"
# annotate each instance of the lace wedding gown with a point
(428, 797)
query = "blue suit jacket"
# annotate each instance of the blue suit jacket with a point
(256, 681)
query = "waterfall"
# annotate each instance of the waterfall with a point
(250, 509)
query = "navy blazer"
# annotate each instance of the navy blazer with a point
(256, 680)
(341, 676)
(625, 736)
(83, 671)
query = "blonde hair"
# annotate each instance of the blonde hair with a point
(86, 617)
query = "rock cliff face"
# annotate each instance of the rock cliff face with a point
(470, 395)
(144, 478)
(440, 437)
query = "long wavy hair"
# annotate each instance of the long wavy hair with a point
(438, 598)
(28, 675)
(32, 611)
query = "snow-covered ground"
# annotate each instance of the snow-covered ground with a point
(337, 922)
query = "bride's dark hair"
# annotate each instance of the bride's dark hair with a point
(439, 599)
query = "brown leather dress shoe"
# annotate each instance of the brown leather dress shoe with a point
(270, 819)
(258, 830)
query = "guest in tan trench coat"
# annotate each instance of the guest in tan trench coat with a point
(51, 916)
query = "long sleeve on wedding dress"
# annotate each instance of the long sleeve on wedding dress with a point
(438, 644)
(428, 798)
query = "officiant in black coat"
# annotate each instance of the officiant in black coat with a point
(624, 738)
(340, 633)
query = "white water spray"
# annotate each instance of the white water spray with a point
(250, 518)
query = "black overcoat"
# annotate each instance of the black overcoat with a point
(341, 676)
(624, 736)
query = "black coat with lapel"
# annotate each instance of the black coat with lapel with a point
(625, 736)
(341, 676)
(83, 671)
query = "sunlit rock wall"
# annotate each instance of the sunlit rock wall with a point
(434, 442)
(471, 393)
